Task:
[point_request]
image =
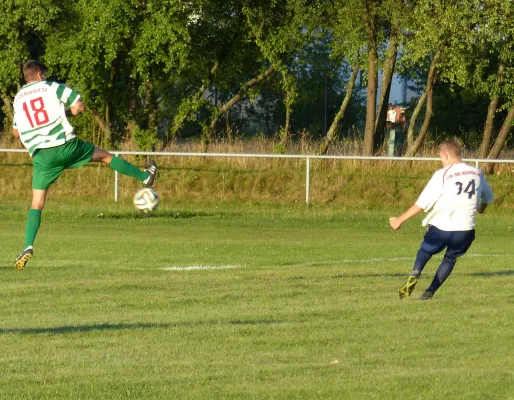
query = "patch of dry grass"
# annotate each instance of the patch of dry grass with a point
(190, 178)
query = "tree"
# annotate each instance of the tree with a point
(437, 36)
(392, 19)
(493, 72)
(115, 53)
(371, 28)
(21, 37)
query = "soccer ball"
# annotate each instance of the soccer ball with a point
(146, 200)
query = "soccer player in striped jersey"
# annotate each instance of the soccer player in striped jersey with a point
(455, 193)
(41, 124)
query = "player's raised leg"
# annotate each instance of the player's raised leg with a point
(124, 167)
(33, 223)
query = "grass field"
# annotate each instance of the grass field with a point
(248, 301)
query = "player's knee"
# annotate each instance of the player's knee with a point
(450, 260)
(102, 156)
(37, 204)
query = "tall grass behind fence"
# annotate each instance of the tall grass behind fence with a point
(236, 179)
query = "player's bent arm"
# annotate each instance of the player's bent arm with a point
(77, 108)
(396, 222)
(15, 132)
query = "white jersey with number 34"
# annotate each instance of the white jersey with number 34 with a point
(453, 193)
(39, 114)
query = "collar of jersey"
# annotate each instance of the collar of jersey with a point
(32, 83)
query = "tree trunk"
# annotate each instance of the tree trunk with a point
(8, 106)
(500, 141)
(108, 133)
(331, 134)
(414, 148)
(10, 114)
(284, 135)
(186, 108)
(229, 104)
(387, 78)
(371, 101)
(491, 112)
(488, 128)
(105, 129)
(228, 128)
(414, 119)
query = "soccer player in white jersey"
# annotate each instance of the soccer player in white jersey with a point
(455, 194)
(41, 124)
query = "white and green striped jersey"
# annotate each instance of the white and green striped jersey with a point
(39, 114)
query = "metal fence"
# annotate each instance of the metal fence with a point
(307, 159)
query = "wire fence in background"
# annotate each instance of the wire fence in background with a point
(307, 158)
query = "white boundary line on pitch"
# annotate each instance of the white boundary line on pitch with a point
(199, 267)
(385, 259)
(312, 263)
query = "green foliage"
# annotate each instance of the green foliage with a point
(459, 111)
(279, 148)
(152, 62)
(22, 29)
(146, 139)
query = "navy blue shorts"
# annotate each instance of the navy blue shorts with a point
(455, 242)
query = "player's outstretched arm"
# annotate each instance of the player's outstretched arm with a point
(396, 222)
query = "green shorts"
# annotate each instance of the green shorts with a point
(50, 163)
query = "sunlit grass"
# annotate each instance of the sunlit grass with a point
(248, 301)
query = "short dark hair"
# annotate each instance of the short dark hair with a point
(31, 69)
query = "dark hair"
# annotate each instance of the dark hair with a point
(31, 69)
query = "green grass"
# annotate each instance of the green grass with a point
(301, 303)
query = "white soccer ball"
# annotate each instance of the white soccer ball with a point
(146, 200)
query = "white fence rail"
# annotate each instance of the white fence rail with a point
(307, 159)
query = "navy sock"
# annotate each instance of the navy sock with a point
(422, 258)
(443, 272)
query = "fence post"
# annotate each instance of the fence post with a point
(308, 180)
(116, 183)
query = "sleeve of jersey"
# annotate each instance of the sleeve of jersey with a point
(66, 95)
(432, 192)
(487, 194)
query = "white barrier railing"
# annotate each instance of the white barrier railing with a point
(307, 158)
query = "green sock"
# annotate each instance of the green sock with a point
(126, 168)
(33, 222)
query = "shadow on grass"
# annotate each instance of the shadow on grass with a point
(116, 327)
(490, 274)
(163, 214)
(169, 214)
(383, 275)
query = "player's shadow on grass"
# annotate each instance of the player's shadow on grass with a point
(383, 275)
(59, 330)
(490, 274)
